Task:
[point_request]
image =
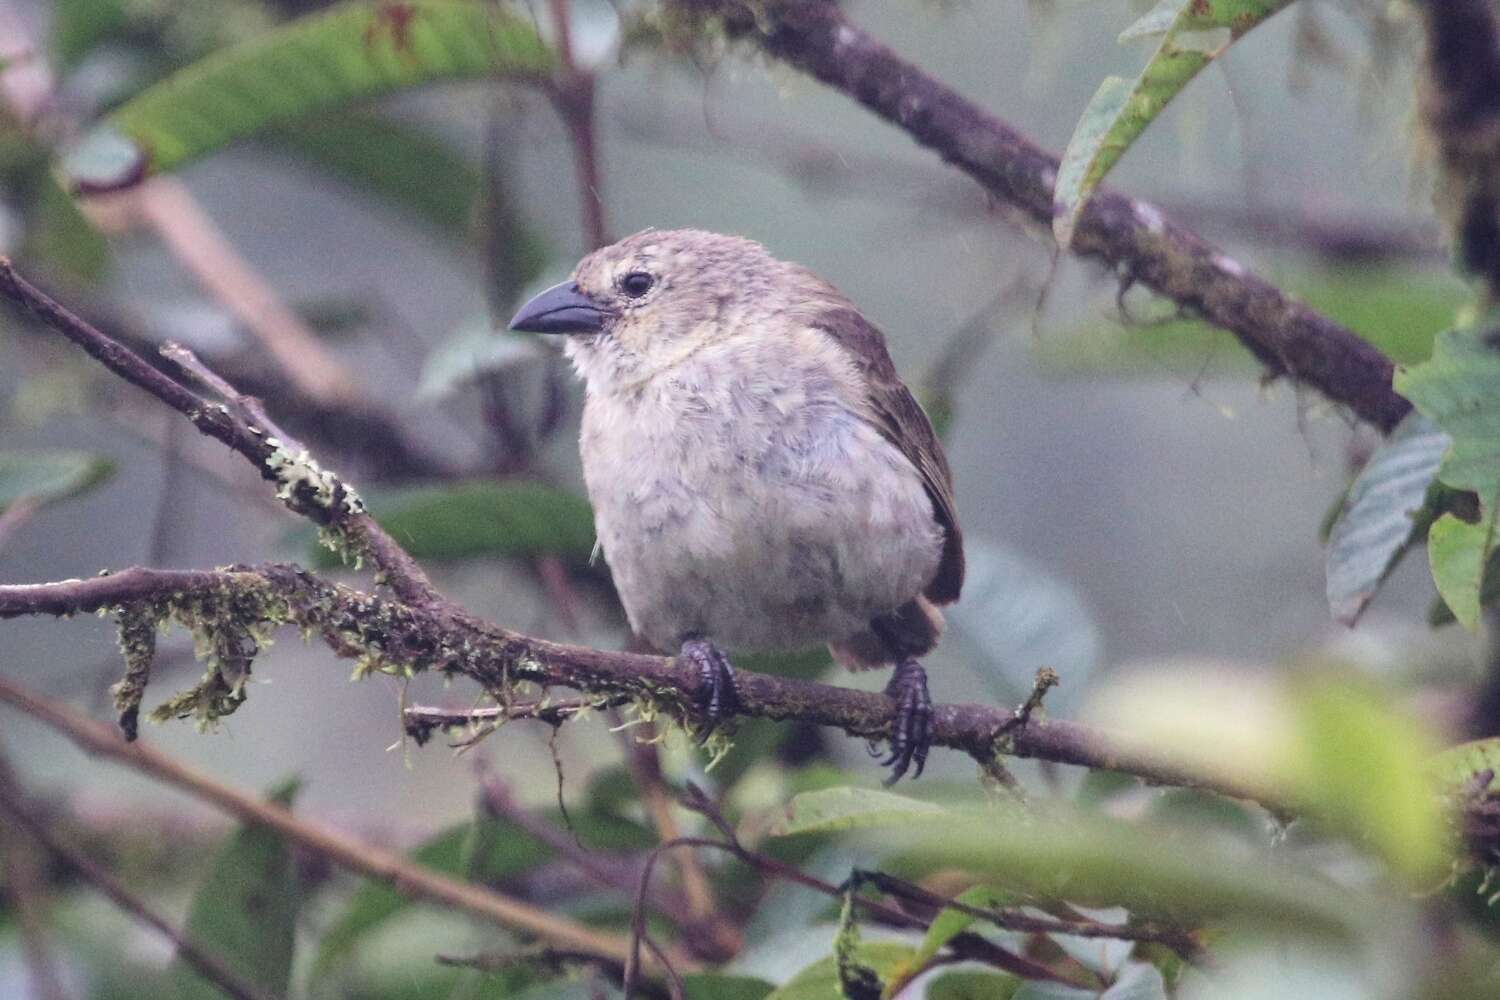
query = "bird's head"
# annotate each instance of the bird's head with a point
(641, 306)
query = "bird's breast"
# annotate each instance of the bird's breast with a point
(753, 505)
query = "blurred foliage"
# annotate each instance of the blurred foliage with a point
(483, 518)
(1398, 310)
(245, 911)
(353, 52)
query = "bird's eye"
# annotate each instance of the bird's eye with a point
(636, 283)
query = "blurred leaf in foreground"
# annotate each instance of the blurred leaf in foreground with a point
(245, 911)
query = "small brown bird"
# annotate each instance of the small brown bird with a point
(761, 478)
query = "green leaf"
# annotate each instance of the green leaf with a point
(79, 25)
(353, 52)
(399, 163)
(1459, 391)
(509, 851)
(965, 984)
(849, 808)
(944, 928)
(1195, 32)
(507, 518)
(1379, 516)
(49, 476)
(820, 981)
(245, 912)
(1137, 981)
(716, 986)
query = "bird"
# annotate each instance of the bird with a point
(761, 478)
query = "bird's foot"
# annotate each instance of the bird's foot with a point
(911, 732)
(718, 700)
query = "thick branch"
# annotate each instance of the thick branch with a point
(307, 489)
(423, 638)
(1132, 237)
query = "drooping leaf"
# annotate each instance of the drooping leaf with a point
(1378, 519)
(245, 912)
(820, 981)
(399, 163)
(353, 52)
(1458, 389)
(49, 476)
(506, 518)
(847, 808)
(1194, 33)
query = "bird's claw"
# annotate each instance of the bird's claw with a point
(719, 700)
(911, 731)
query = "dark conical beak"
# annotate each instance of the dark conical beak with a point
(560, 309)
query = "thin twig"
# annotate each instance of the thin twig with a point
(25, 886)
(407, 877)
(207, 964)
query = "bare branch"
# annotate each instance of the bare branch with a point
(1131, 237)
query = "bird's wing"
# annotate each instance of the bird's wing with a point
(900, 418)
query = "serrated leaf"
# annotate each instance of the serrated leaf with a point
(353, 52)
(1378, 519)
(49, 476)
(1195, 32)
(820, 981)
(968, 984)
(847, 808)
(1458, 389)
(484, 518)
(245, 912)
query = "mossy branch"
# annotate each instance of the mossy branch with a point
(1133, 238)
